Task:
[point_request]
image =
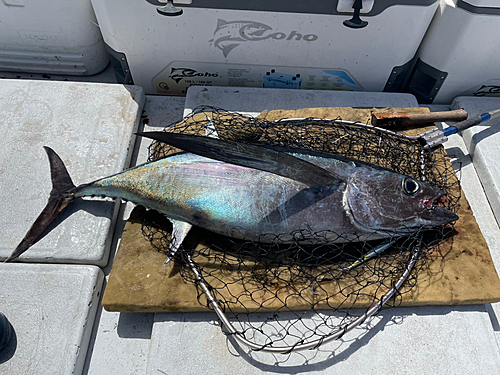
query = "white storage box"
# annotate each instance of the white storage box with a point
(460, 54)
(50, 36)
(273, 43)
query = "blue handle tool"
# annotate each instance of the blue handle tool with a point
(435, 137)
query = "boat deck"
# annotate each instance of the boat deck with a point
(54, 306)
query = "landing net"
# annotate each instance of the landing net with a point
(281, 298)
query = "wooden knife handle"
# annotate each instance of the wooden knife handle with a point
(395, 119)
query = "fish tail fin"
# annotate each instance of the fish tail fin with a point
(60, 197)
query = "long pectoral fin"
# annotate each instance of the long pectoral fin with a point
(179, 232)
(247, 155)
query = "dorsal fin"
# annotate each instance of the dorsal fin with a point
(221, 23)
(248, 155)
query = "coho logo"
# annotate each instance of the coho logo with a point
(178, 74)
(229, 35)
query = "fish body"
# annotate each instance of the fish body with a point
(227, 199)
(350, 201)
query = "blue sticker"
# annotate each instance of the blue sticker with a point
(343, 78)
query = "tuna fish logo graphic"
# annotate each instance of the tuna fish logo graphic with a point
(229, 35)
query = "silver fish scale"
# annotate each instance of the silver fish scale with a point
(247, 203)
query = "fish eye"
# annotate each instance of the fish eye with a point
(411, 187)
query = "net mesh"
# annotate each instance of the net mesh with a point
(285, 295)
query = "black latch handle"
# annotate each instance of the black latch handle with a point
(355, 22)
(169, 9)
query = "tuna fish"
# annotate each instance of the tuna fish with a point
(248, 191)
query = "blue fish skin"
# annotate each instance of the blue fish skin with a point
(231, 200)
(247, 203)
(362, 203)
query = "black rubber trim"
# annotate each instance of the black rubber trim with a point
(425, 82)
(477, 10)
(399, 76)
(120, 66)
(293, 6)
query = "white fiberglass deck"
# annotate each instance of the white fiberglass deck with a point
(437, 340)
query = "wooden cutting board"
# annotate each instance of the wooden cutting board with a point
(459, 271)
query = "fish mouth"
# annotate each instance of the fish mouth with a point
(435, 214)
(430, 203)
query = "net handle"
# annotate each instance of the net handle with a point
(312, 344)
(355, 123)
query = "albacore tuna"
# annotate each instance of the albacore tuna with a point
(248, 191)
